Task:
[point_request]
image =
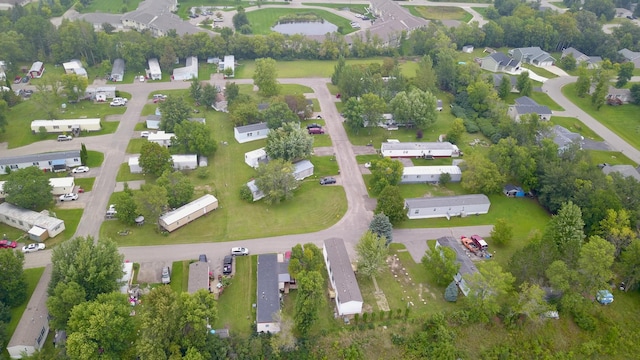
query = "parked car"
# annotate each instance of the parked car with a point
(25, 79)
(159, 97)
(117, 103)
(8, 244)
(604, 297)
(17, 80)
(65, 137)
(144, 134)
(239, 251)
(121, 99)
(166, 275)
(314, 126)
(202, 258)
(469, 244)
(327, 181)
(33, 247)
(227, 265)
(69, 197)
(111, 211)
(141, 77)
(80, 169)
(316, 131)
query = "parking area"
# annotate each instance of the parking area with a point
(150, 272)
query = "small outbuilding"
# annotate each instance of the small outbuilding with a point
(251, 132)
(256, 157)
(63, 185)
(127, 277)
(37, 69)
(185, 214)
(467, 49)
(256, 193)
(513, 191)
(185, 161)
(134, 165)
(429, 174)
(117, 71)
(447, 206)
(302, 169)
(153, 122)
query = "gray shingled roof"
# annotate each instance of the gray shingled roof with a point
(198, 276)
(252, 127)
(444, 201)
(345, 279)
(118, 67)
(563, 137)
(268, 292)
(503, 60)
(40, 157)
(624, 170)
(526, 105)
(466, 265)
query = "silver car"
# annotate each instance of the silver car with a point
(166, 275)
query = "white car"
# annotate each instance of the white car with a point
(141, 78)
(367, 165)
(144, 134)
(117, 103)
(33, 247)
(239, 251)
(69, 197)
(80, 169)
(121, 99)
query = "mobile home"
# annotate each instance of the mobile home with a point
(254, 158)
(117, 71)
(348, 297)
(251, 132)
(63, 185)
(39, 226)
(37, 69)
(447, 206)
(429, 174)
(70, 125)
(426, 150)
(154, 70)
(175, 219)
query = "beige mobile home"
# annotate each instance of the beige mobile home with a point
(183, 215)
(70, 125)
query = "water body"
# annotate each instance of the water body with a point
(305, 28)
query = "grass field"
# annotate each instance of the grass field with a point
(180, 276)
(110, 6)
(262, 20)
(32, 276)
(622, 120)
(576, 126)
(440, 13)
(539, 97)
(234, 304)
(125, 175)
(610, 157)
(135, 145)
(540, 71)
(94, 158)
(85, 183)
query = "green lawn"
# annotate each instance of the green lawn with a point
(262, 20)
(539, 97)
(32, 276)
(576, 126)
(480, 10)
(234, 304)
(85, 183)
(540, 71)
(140, 126)
(321, 140)
(135, 145)
(110, 6)
(149, 109)
(440, 13)
(559, 4)
(94, 158)
(622, 120)
(180, 276)
(324, 166)
(71, 219)
(333, 89)
(125, 175)
(610, 157)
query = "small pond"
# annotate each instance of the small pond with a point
(305, 28)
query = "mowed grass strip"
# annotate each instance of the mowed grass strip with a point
(262, 20)
(440, 13)
(234, 304)
(110, 6)
(180, 276)
(32, 276)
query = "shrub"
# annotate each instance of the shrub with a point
(364, 317)
(356, 318)
(202, 173)
(246, 194)
(471, 126)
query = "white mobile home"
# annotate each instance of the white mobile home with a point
(251, 132)
(429, 174)
(426, 150)
(185, 161)
(185, 214)
(153, 122)
(69, 125)
(447, 206)
(37, 69)
(127, 277)
(75, 67)
(154, 70)
(38, 225)
(256, 193)
(63, 185)
(188, 72)
(228, 63)
(253, 158)
(302, 169)
(47, 162)
(117, 71)
(161, 138)
(100, 93)
(343, 279)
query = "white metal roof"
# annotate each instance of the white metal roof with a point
(430, 170)
(154, 66)
(418, 146)
(160, 135)
(62, 182)
(90, 121)
(190, 208)
(257, 153)
(444, 201)
(184, 158)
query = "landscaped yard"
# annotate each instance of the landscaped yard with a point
(622, 120)
(135, 145)
(540, 71)
(440, 13)
(576, 126)
(85, 183)
(234, 304)
(32, 276)
(110, 6)
(539, 97)
(609, 157)
(262, 20)
(125, 175)
(94, 158)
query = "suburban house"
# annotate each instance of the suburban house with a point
(497, 80)
(302, 169)
(153, 122)
(565, 138)
(185, 214)
(39, 225)
(33, 327)
(467, 49)
(189, 71)
(75, 67)
(273, 274)
(46, 162)
(429, 174)
(37, 69)
(467, 267)
(391, 22)
(624, 170)
(342, 276)
(154, 72)
(229, 62)
(426, 150)
(127, 277)
(532, 55)
(618, 96)
(447, 206)
(179, 162)
(62, 185)
(117, 71)
(74, 126)
(511, 190)
(254, 158)
(158, 18)
(591, 62)
(161, 138)
(251, 132)
(526, 105)
(631, 56)
(256, 193)
(499, 62)
(100, 93)
(198, 276)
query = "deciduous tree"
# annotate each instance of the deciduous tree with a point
(531, 302)
(630, 265)
(415, 107)
(289, 143)
(442, 263)
(481, 175)
(385, 172)
(265, 77)
(594, 264)
(488, 289)
(299, 105)
(74, 86)
(151, 201)
(28, 188)
(523, 84)
(372, 252)
(208, 95)
(381, 225)
(155, 159)
(353, 114)
(425, 78)
(625, 73)
(308, 300)
(502, 232)
(583, 83)
(635, 94)
(277, 114)
(231, 92)
(65, 296)
(126, 206)
(179, 187)
(198, 311)
(13, 286)
(244, 111)
(457, 129)
(276, 181)
(307, 258)
(391, 203)
(616, 229)
(566, 231)
(194, 138)
(174, 111)
(373, 107)
(504, 89)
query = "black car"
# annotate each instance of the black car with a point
(327, 181)
(313, 126)
(25, 79)
(227, 265)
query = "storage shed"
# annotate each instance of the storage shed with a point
(255, 191)
(185, 161)
(117, 71)
(26, 220)
(426, 150)
(188, 72)
(153, 122)
(63, 185)
(134, 165)
(68, 125)
(513, 191)
(254, 158)
(154, 69)
(127, 277)
(447, 206)
(183, 215)
(429, 174)
(251, 132)
(302, 169)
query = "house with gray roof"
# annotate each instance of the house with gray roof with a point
(447, 206)
(53, 161)
(591, 62)
(117, 71)
(526, 105)
(617, 96)
(39, 225)
(631, 56)
(565, 138)
(467, 267)
(348, 297)
(497, 80)
(499, 62)
(624, 170)
(391, 20)
(533, 55)
(250, 132)
(272, 268)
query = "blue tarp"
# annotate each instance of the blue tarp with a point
(58, 162)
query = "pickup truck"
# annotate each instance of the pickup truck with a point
(468, 243)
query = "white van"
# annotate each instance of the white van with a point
(239, 251)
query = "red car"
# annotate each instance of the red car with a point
(8, 244)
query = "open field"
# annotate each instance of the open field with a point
(32, 276)
(234, 304)
(610, 157)
(622, 120)
(110, 6)
(576, 126)
(440, 13)
(262, 20)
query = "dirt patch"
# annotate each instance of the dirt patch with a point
(413, 293)
(206, 188)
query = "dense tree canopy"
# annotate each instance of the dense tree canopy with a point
(372, 252)
(174, 111)
(154, 158)
(179, 187)
(28, 188)
(13, 288)
(276, 181)
(289, 143)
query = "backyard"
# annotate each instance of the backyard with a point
(234, 304)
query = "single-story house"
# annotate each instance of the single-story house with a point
(187, 213)
(198, 276)
(499, 62)
(497, 81)
(618, 96)
(75, 67)
(251, 132)
(154, 71)
(213, 60)
(467, 267)
(256, 193)
(117, 71)
(39, 225)
(427, 150)
(526, 105)
(47, 162)
(188, 72)
(447, 206)
(513, 191)
(37, 69)
(185, 161)
(33, 327)
(70, 125)
(228, 63)
(161, 138)
(631, 56)
(100, 93)
(271, 269)
(590, 61)
(153, 122)
(302, 169)
(127, 277)
(533, 55)
(467, 49)
(62, 185)
(342, 276)
(624, 170)
(565, 138)
(429, 174)
(254, 158)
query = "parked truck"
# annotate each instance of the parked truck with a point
(479, 242)
(468, 243)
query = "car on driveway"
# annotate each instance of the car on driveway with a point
(166, 275)
(8, 244)
(239, 251)
(313, 126)
(316, 131)
(25, 79)
(158, 98)
(69, 197)
(17, 80)
(327, 181)
(33, 247)
(227, 265)
(144, 134)
(117, 103)
(202, 258)
(80, 169)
